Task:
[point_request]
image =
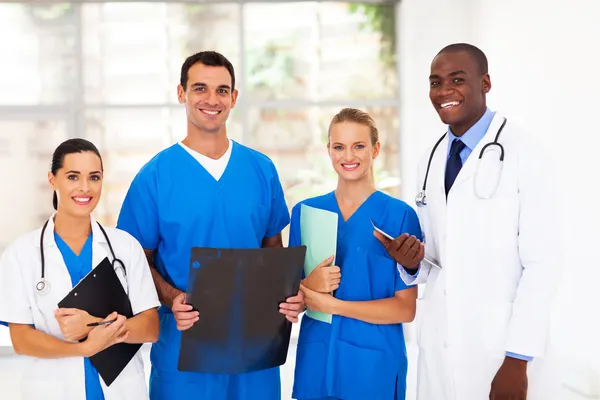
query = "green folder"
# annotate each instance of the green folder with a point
(318, 231)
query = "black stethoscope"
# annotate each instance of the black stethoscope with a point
(421, 198)
(43, 286)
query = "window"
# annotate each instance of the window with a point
(108, 71)
(111, 70)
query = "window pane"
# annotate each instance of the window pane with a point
(280, 40)
(320, 51)
(128, 138)
(38, 53)
(133, 51)
(26, 148)
(357, 51)
(296, 141)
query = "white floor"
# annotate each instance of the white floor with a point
(11, 368)
(582, 384)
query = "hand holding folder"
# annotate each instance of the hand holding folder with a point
(318, 231)
(324, 278)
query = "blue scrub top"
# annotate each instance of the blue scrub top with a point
(352, 359)
(174, 204)
(79, 266)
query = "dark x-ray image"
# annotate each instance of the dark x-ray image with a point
(237, 293)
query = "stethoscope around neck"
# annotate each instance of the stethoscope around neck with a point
(421, 198)
(43, 285)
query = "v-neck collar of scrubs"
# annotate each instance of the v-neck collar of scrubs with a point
(345, 226)
(77, 265)
(190, 158)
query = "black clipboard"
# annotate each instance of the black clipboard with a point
(100, 293)
(238, 292)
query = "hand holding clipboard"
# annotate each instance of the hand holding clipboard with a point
(105, 334)
(101, 294)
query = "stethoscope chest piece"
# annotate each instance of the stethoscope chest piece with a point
(421, 199)
(43, 286)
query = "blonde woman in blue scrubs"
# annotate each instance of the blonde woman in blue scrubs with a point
(361, 354)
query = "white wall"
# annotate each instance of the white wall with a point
(543, 59)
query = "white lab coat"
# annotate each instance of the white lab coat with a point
(20, 270)
(500, 260)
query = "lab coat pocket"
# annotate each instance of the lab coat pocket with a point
(130, 384)
(364, 373)
(419, 317)
(43, 390)
(310, 370)
(40, 381)
(497, 221)
(128, 387)
(495, 329)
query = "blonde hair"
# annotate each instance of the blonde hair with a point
(358, 117)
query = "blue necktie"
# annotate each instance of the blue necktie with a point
(454, 163)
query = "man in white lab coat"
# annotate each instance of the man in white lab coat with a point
(491, 252)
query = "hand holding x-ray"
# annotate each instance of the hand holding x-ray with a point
(185, 315)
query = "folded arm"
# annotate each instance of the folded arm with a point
(143, 328)
(393, 310)
(28, 341)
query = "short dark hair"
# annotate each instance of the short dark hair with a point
(70, 146)
(208, 58)
(473, 51)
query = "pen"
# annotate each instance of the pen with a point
(102, 323)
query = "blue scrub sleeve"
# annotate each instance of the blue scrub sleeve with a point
(280, 215)
(295, 227)
(295, 238)
(139, 213)
(410, 225)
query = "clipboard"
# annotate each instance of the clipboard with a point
(100, 293)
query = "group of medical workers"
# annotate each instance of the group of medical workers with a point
(481, 241)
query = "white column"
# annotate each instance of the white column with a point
(543, 60)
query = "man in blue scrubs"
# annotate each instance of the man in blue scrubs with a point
(205, 191)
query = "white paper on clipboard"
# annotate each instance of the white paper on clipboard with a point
(426, 259)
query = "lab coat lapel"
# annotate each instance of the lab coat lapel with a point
(468, 170)
(99, 245)
(56, 272)
(436, 193)
(436, 189)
